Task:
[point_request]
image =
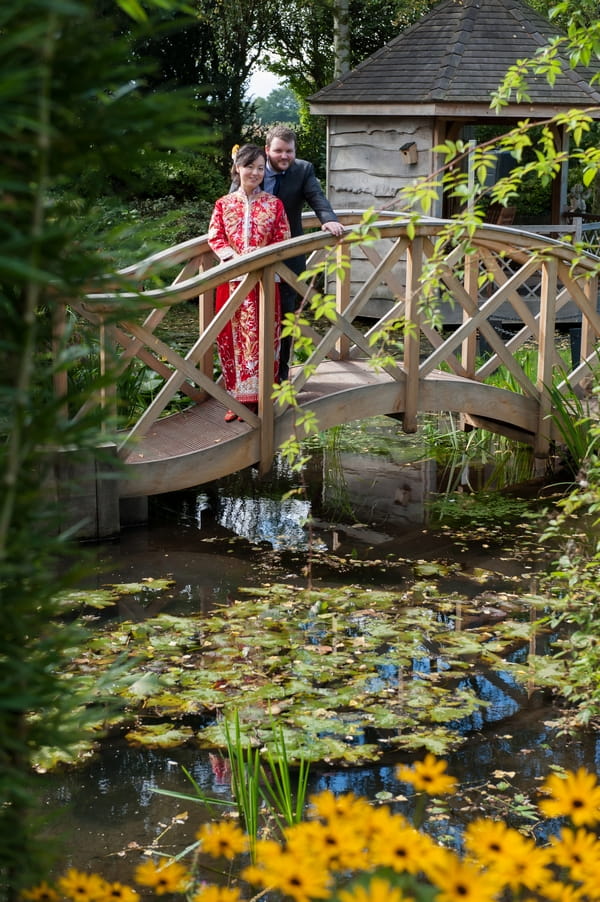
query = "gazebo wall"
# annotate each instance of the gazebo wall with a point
(367, 168)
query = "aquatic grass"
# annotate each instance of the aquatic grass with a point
(245, 779)
(276, 788)
(573, 419)
(257, 776)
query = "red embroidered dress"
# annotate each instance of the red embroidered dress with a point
(239, 224)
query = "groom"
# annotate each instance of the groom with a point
(295, 183)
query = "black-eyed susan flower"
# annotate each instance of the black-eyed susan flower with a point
(428, 776)
(212, 893)
(458, 880)
(338, 844)
(280, 869)
(397, 845)
(120, 892)
(222, 839)
(488, 840)
(377, 890)
(575, 795)
(82, 887)
(327, 805)
(43, 892)
(526, 867)
(163, 877)
(557, 891)
(578, 851)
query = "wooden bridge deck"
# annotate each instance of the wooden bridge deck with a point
(197, 446)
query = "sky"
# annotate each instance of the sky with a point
(262, 83)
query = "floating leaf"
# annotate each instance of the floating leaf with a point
(162, 736)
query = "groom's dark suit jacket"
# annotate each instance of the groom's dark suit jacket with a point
(300, 186)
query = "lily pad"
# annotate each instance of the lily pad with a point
(336, 668)
(161, 735)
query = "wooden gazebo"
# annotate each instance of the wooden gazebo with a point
(432, 83)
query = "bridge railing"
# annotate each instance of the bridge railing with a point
(471, 272)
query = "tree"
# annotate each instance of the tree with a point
(214, 52)
(304, 46)
(279, 106)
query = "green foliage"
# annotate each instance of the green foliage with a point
(574, 587)
(573, 418)
(72, 102)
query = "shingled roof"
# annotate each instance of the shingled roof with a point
(451, 61)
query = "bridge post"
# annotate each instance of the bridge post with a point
(412, 332)
(547, 354)
(206, 311)
(108, 391)
(589, 336)
(469, 345)
(60, 377)
(342, 295)
(266, 368)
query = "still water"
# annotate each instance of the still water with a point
(246, 531)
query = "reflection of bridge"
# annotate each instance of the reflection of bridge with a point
(432, 369)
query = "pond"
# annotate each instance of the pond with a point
(372, 524)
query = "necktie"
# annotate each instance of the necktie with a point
(277, 183)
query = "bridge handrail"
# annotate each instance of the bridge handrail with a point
(565, 275)
(198, 246)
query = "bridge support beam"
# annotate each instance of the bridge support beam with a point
(414, 268)
(546, 355)
(266, 368)
(86, 491)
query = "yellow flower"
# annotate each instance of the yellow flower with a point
(222, 840)
(559, 892)
(328, 805)
(82, 887)
(284, 870)
(461, 881)
(217, 894)
(489, 840)
(427, 776)
(526, 866)
(120, 892)
(234, 151)
(169, 877)
(396, 844)
(576, 795)
(378, 890)
(577, 850)
(41, 893)
(337, 845)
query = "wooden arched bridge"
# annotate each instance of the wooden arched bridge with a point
(427, 368)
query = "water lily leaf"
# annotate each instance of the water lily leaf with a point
(329, 665)
(437, 742)
(46, 759)
(162, 736)
(92, 598)
(147, 585)
(145, 686)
